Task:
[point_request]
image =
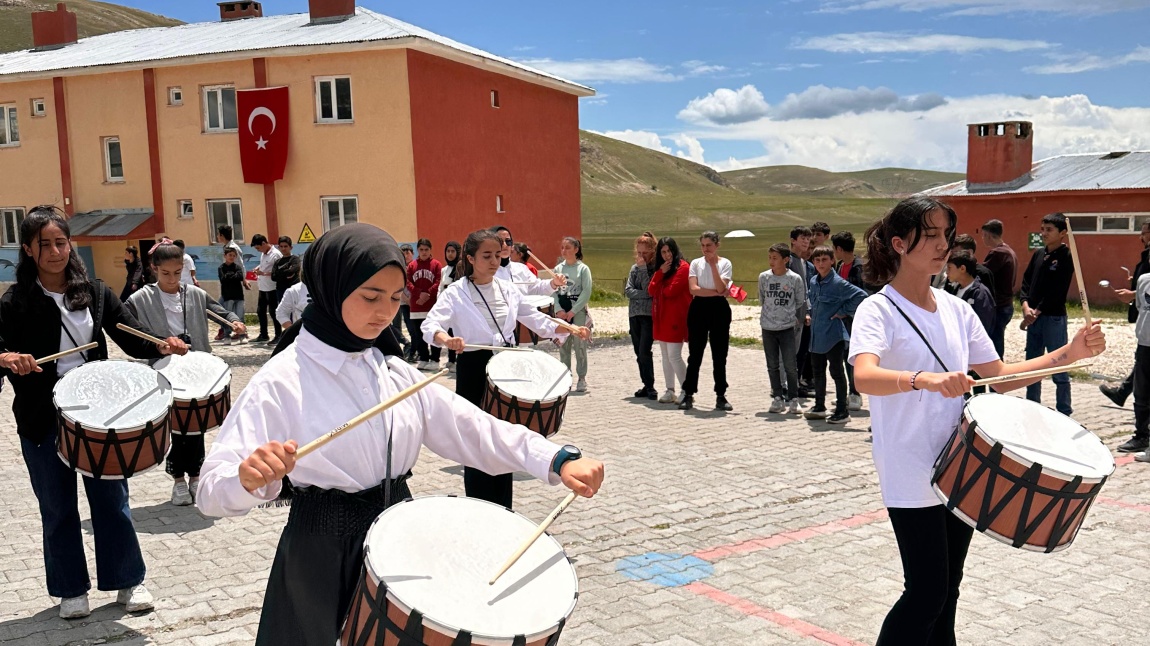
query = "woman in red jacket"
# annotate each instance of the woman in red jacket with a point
(670, 298)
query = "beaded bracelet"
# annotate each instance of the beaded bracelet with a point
(912, 379)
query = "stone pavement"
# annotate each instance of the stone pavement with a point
(739, 528)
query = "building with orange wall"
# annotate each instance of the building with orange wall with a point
(134, 134)
(1105, 196)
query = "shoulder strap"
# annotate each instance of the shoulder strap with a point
(917, 331)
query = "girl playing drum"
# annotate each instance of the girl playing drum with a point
(911, 347)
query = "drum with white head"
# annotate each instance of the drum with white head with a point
(202, 385)
(528, 388)
(543, 304)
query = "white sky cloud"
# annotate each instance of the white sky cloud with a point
(883, 42)
(689, 147)
(1074, 64)
(987, 7)
(727, 106)
(620, 70)
(701, 68)
(644, 138)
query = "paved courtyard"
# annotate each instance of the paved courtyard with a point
(738, 528)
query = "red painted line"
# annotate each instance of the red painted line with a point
(752, 609)
(1123, 460)
(793, 536)
(1124, 505)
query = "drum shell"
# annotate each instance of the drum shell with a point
(524, 335)
(544, 417)
(199, 416)
(74, 442)
(1048, 489)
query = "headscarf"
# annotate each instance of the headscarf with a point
(335, 266)
(458, 254)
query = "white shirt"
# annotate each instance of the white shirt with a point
(80, 324)
(492, 306)
(186, 274)
(911, 428)
(459, 309)
(174, 311)
(527, 282)
(293, 304)
(444, 279)
(311, 388)
(267, 261)
(702, 271)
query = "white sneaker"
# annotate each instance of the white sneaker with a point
(239, 340)
(181, 495)
(668, 397)
(423, 365)
(135, 599)
(193, 487)
(854, 402)
(581, 386)
(1142, 457)
(777, 405)
(451, 367)
(75, 607)
(794, 408)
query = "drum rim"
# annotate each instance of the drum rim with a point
(479, 639)
(104, 431)
(1027, 463)
(1009, 542)
(224, 383)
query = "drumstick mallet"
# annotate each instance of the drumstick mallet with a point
(1027, 375)
(496, 348)
(534, 537)
(221, 319)
(542, 265)
(143, 335)
(53, 357)
(1078, 273)
(366, 415)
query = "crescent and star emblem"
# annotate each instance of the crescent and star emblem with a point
(261, 143)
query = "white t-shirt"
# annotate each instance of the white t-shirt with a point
(701, 270)
(80, 324)
(173, 311)
(495, 301)
(189, 267)
(911, 428)
(267, 261)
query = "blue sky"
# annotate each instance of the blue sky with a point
(839, 84)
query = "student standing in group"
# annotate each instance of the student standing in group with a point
(782, 294)
(405, 307)
(832, 299)
(224, 235)
(286, 271)
(800, 251)
(1139, 298)
(423, 276)
(916, 400)
(960, 270)
(53, 306)
(1003, 265)
(709, 318)
(232, 284)
(521, 253)
(135, 278)
(447, 275)
(571, 304)
(291, 308)
(482, 309)
(639, 312)
(517, 273)
(1118, 393)
(849, 269)
(966, 242)
(1044, 287)
(670, 290)
(267, 301)
(188, 277)
(820, 235)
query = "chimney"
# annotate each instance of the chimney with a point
(239, 10)
(999, 155)
(330, 10)
(53, 29)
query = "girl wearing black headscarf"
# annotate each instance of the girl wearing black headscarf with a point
(342, 362)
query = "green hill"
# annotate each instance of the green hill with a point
(92, 18)
(877, 183)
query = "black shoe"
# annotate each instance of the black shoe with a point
(688, 402)
(804, 393)
(273, 342)
(1116, 394)
(840, 416)
(263, 338)
(721, 403)
(641, 393)
(652, 394)
(1134, 445)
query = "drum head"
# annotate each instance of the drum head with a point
(105, 395)
(437, 554)
(195, 375)
(1036, 433)
(538, 302)
(530, 376)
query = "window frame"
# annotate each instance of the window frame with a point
(5, 126)
(172, 100)
(15, 210)
(500, 204)
(1134, 220)
(495, 99)
(335, 119)
(180, 204)
(208, 129)
(104, 143)
(237, 225)
(324, 200)
(42, 112)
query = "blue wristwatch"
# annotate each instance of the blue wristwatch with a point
(565, 455)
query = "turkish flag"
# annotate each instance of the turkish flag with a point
(263, 123)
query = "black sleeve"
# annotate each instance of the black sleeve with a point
(116, 312)
(1023, 294)
(984, 308)
(986, 275)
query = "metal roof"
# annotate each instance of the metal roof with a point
(157, 44)
(111, 223)
(1080, 172)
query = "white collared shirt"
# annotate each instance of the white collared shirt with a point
(457, 310)
(186, 277)
(528, 283)
(311, 388)
(267, 261)
(293, 304)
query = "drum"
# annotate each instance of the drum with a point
(1020, 472)
(113, 418)
(201, 383)
(426, 566)
(543, 304)
(528, 388)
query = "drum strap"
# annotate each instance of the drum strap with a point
(918, 332)
(506, 343)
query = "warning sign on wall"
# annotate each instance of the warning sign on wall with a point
(306, 235)
(1033, 242)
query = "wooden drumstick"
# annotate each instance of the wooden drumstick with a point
(221, 319)
(366, 415)
(1078, 273)
(1027, 375)
(564, 324)
(534, 537)
(496, 348)
(143, 335)
(53, 357)
(542, 265)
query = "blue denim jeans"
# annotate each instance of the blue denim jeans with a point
(235, 307)
(1002, 316)
(119, 563)
(1047, 334)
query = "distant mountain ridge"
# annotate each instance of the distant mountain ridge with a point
(92, 19)
(878, 183)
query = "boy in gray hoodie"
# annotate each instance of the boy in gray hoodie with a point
(783, 295)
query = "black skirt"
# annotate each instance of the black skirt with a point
(470, 383)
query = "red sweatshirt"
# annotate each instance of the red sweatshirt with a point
(423, 278)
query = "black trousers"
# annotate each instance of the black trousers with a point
(1142, 392)
(932, 543)
(806, 370)
(708, 318)
(833, 359)
(470, 381)
(186, 455)
(423, 351)
(642, 338)
(268, 302)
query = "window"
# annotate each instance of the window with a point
(9, 132)
(225, 212)
(38, 108)
(175, 96)
(499, 204)
(333, 99)
(113, 160)
(1107, 222)
(220, 109)
(10, 236)
(495, 98)
(338, 211)
(184, 209)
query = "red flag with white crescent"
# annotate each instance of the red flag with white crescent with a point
(263, 125)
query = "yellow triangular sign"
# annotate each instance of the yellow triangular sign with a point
(306, 235)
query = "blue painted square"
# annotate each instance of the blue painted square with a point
(668, 570)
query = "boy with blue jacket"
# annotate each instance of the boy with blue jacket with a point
(832, 299)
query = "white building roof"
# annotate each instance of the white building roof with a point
(161, 46)
(1079, 172)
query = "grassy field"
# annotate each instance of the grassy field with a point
(92, 18)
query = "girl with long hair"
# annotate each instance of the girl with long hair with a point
(451, 254)
(670, 292)
(639, 312)
(571, 300)
(135, 279)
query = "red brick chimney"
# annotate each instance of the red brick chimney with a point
(999, 155)
(238, 10)
(53, 29)
(331, 10)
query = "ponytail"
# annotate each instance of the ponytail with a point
(906, 220)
